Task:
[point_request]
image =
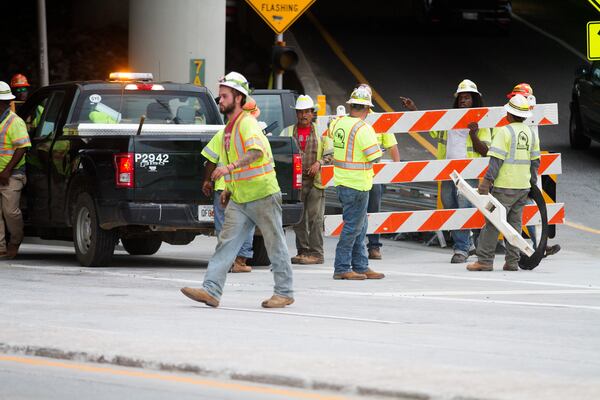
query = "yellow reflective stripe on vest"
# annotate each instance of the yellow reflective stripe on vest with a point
(353, 165)
(351, 135)
(513, 149)
(5, 128)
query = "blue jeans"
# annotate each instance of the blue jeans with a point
(350, 252)
(246, 250)
(452, 199)
(374, 207)
(239, 220)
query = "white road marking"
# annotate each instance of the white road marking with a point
(550, 36)
(323, 316)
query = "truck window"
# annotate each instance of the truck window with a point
(41, 121)
(159, 108)
(271, 112)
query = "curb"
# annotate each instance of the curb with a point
(269, 379)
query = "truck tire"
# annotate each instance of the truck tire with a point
(576, 136)
(142, 246)
(94, 246)
(260, 258)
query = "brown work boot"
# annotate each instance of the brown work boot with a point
(510, 267)
(350, 275)
(277, 301)
(372, 274)
(374, 254)
(239, 265)
(12, 250)
(310, 259)
(477, 266)
(201, 296)
(297, 259)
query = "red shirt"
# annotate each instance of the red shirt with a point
(228, 129)
(303, 134)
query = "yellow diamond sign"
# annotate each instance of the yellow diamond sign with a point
(595, 3)
(593, 40)
(280, 14)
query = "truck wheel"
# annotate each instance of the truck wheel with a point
(576, 137)
(94, 246)
(260, 258)
(142, 246)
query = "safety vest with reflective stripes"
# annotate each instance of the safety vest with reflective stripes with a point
(13, 135)
(99, 117)
(483, 134)
(355, 148)
(212, 153)
(258, 179)
(517, 145)
(324, 147)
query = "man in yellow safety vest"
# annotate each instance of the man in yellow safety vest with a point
(514, 161)
(14, 141)
(355, 148)
(456, 144)
(316, 151)
(251, 196)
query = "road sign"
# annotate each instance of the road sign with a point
(593, 40)
(595, 3)
(280, 14)
(197, 68)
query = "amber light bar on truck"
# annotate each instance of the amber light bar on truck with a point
(130, 76)
(124, 170)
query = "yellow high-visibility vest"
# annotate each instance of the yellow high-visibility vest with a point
(483, 134)
(354, 149)
(13, 135)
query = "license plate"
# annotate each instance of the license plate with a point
(206, 213)
(470, 16)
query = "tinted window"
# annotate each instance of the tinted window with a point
(41, 120)
(159, 107)
(270, 112)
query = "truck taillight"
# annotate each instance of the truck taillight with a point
(124, 170)
(297, 174)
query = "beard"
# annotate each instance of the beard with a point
(226, 109)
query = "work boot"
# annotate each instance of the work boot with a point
(298, 258)
(239, 265)
(458, 258)
(510, 267)
(309, 259)
(201, 296)
(372, 274)
(277, 301)
(477, 266)
(375, 253)
(551, 250)
(351, 276)
(12, 250)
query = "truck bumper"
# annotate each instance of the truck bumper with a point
(170, 215)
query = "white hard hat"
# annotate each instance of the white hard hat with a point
(5, 93)
(304, 102)
(236, 81)
(518, 106)
(340, 111)
(361, 95)
(466, 86)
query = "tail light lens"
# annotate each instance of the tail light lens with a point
(124, 170)
(297, 175)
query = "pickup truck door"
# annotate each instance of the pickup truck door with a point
(589, 101)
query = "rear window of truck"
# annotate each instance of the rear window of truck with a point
(159, 107)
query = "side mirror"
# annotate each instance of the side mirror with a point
(581, 71)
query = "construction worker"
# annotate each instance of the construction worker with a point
(355, 148)
(512, 171)
(14, 141)
(526, 90)
(460, 144)
(316, 150)
(386, 141)
(251, 196)
(20, 87)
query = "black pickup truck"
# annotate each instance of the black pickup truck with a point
(95, 178)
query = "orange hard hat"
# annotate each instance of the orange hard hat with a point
(522, 88)
(19, 80)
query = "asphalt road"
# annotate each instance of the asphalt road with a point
(429, 329)
(401, 59)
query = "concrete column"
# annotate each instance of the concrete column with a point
(164, 35)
